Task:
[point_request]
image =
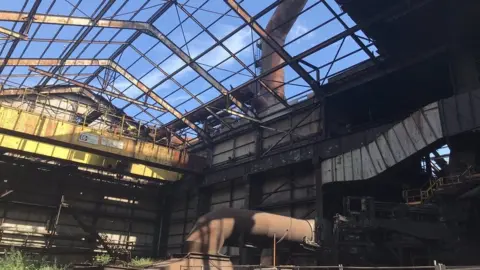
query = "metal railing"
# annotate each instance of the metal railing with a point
(422, 195)
(436, 266)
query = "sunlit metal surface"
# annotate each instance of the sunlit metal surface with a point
(177, 64)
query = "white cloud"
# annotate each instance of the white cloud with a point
(235, 43)
(212, 58)
(299, 29)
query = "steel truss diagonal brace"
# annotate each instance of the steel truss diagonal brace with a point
(11, 33)
(141, 26)
(276, 47)
(95, 89)
(202, 72)
(118, 69)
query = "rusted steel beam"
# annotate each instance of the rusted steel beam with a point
(180, 86)
(160, 101)
(34, 91)
(68, 20)
(115, 67)
(202, 72)
(275, 46)
(11, 33)
(96, 89)
(353, 36)
(262, 84)
(164, 8)
(142, 26)
(28, 17)
(84, 33)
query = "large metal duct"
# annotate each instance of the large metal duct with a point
(234, 226)
(278, 28)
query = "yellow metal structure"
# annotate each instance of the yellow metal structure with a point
(419, 196)
(40, 135)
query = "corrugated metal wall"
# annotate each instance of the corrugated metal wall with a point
(289, 191)
(305, 123)
(123, 213)
(404, 139)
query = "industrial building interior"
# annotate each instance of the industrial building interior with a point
(221, 134)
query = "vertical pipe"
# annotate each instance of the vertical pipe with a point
(121, 125)
(154, 136)
(139, 126)
(278, 28)
(274, 249)
(84, 119)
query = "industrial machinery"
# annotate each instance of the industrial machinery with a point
(32, 133)
(238, 227)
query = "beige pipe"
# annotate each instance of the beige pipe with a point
(213, 229)
(278, 28)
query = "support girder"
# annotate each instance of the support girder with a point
(11, 33)
(33, 91)
(141, 26)
(114, 66)
(295, 65)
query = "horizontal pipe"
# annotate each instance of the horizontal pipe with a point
(228, 224)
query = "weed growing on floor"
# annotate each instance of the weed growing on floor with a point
(140, 262)
(102, 259)
(16, 260)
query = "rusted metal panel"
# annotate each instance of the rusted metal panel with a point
(387, 149)
(65, 133)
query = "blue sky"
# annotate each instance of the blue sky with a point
(197, 43)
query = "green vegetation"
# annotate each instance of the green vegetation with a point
(140, 262)
(102, 259)
(16, 260)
